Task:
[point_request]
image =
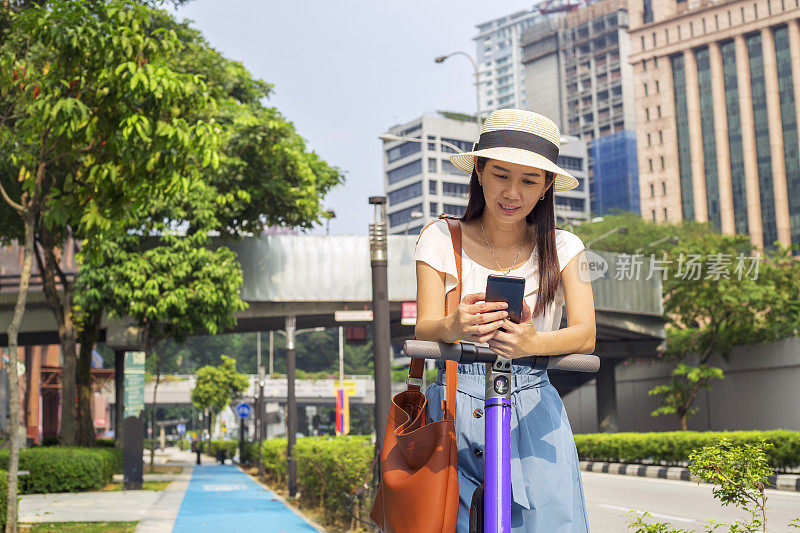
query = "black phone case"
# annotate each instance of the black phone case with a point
(509, 289)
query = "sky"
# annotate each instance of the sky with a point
(346, 71)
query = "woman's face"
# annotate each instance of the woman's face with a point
(511, 190)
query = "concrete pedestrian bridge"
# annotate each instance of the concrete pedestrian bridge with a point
(312, 277)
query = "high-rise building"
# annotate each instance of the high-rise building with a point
(717, 86)
(576, 72)
(421, 182)
(499, 60)
(573, 206)
(419, 179)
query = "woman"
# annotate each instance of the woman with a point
(509, 229)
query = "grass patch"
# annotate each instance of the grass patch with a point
(163, 469)
(79, 527)
(147, 485)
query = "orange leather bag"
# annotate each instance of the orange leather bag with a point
(418, 491)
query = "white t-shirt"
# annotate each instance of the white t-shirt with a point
(436, 249)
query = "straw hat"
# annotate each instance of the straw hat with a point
(522, 137)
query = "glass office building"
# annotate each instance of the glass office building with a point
(616, 173)
(717, 127)
(577, 73)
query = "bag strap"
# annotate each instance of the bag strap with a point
(452, 299)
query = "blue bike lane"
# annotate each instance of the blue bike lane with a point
(223, 499)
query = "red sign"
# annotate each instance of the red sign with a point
(355, 333)
(100, 422)
(409, 313)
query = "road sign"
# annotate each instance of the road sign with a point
(100, 421)
(243, 410)
(134, 383)
(181, 429)
(349, 386)
(355, 315)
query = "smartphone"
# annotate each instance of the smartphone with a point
(509, 289)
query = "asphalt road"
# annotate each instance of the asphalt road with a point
(685, 505)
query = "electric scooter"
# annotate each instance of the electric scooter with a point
(490, 511)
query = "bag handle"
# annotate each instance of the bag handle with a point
(452, 299)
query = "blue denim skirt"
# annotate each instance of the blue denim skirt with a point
(546, 487)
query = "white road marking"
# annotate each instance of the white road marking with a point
(222, 487)
(654, 515)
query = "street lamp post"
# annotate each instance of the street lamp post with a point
(621, 229)
(442, 59)
(413, 215)
(331, 214)
(380, 317)
(291, 406)
(671, 238)
(388, 137)
(290, 333)
(259, 420)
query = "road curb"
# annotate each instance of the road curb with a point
(788, 482)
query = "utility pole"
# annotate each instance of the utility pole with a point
(291, 406)
(380, 317)
(271, 339)
(341, 357)
(259, 420)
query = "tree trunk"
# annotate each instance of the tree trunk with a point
(13, 377)
(155, 407)
(62, 310)
(87, 339)
(684, 426)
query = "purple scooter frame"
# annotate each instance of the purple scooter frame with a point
(497, 408)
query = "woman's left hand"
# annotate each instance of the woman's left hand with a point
(518, 340)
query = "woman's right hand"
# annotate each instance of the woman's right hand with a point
(476, 320)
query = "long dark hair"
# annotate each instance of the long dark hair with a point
(542, 216)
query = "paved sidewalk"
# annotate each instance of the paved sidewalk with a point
(122, 506)
(147, 507)
(223, 499)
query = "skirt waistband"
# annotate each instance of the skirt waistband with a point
(473, 383)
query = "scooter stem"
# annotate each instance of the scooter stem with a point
(497, 454)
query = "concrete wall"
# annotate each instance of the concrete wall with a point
(761, 390)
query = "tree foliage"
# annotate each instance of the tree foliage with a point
(735, 297)
(90, 101)
(677, 396)
(216, 386)
(739, 475)
(95, 126)
(316, 352)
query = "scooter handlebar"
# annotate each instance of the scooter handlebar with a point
(465, 353)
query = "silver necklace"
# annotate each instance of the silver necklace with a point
(501, 269)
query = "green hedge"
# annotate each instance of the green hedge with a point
(249, 454)
(3, 500)
(674, 447)
(328, 469)
(210, 448)
(62, 469)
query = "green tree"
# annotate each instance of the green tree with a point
(677, 396)
(216, 386)
(173, 290)
(708, 313)
(265, 176)
(739, 475)
(94, 126)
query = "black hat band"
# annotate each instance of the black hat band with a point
(518, 139)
